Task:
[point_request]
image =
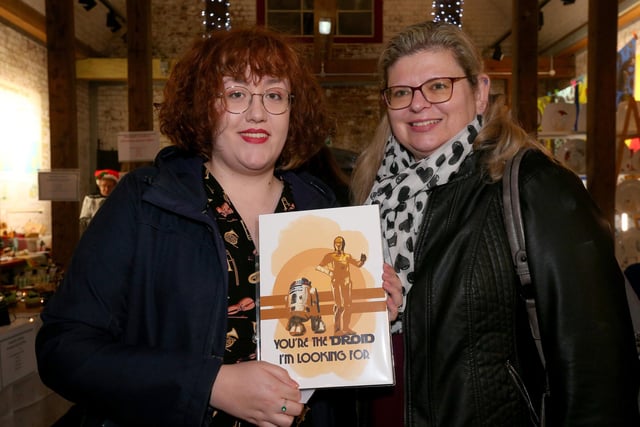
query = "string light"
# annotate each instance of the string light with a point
(215, 16)
(447, 11)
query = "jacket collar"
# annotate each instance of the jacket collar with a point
(177, 184)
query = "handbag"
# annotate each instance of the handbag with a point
(515, 234)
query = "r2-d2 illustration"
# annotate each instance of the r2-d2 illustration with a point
(304, 304)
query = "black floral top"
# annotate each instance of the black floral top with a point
(243, 268)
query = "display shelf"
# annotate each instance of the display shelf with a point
(569, 147)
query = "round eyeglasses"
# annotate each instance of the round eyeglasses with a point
(237, 99)
(435, 91)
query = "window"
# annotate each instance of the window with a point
(355, 18)
(293, 17)
(355, 21)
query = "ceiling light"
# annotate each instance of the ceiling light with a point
(88, 4)
(112, 21)
(324, 26)
(497, 53)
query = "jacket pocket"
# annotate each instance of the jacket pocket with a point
(522, 388)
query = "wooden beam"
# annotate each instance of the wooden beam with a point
(102, 69)
(564, 67)
(139, 59)
(32, 23)
(630, 16)
(24, 18)
(140, 83)
(115, 69)
(601, 121)
(63, 120)
(525, 67)
(350, 66)
(336, 70)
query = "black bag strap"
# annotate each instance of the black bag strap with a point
(515, 233)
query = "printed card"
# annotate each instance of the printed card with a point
(322, 309)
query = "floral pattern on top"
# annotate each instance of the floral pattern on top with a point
(243, 269)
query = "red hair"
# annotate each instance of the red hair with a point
(188, 115)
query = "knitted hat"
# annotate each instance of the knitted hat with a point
(107, 174)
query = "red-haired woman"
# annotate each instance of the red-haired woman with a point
(155, 321)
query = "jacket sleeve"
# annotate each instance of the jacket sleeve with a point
(82, 348)
(585, 325)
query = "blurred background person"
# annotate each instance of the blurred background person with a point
(106, 180)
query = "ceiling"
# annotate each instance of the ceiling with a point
(563, 31)
(488, 21)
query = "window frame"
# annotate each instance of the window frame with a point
(261, 13)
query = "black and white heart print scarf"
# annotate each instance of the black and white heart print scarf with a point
(401, 188)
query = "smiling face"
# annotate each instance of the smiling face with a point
(422, 127)
(250, 142)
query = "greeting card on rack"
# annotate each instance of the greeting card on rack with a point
(322, 309)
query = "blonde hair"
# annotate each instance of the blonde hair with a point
(368, 162)
(499, 138)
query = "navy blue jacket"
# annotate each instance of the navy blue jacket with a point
(137, 330)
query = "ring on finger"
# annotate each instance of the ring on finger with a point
(284, 406)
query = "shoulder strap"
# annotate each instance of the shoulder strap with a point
(515, 233)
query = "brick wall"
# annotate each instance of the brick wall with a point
(173, 27)
(102, 107)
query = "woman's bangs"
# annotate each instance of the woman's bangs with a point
(259, 62)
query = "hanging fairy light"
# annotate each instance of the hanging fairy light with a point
(447, 11)
(215, 16)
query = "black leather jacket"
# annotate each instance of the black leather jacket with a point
(467, 341)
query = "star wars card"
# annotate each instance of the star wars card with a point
(322, 310)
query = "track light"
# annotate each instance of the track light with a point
(112, 21)
(540, 20)
(88, 4)
(497, 53)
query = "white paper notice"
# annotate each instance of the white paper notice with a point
(138, 146)
(61, 185)
(17, 353)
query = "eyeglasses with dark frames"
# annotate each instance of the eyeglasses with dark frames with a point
(435, 91)
(237, 99)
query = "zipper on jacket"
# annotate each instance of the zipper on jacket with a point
(408, 380)
(522, 388)
(406, 407)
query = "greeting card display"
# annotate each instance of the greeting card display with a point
(322, 309)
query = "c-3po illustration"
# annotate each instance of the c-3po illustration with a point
(304, 304)
(336, 265)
